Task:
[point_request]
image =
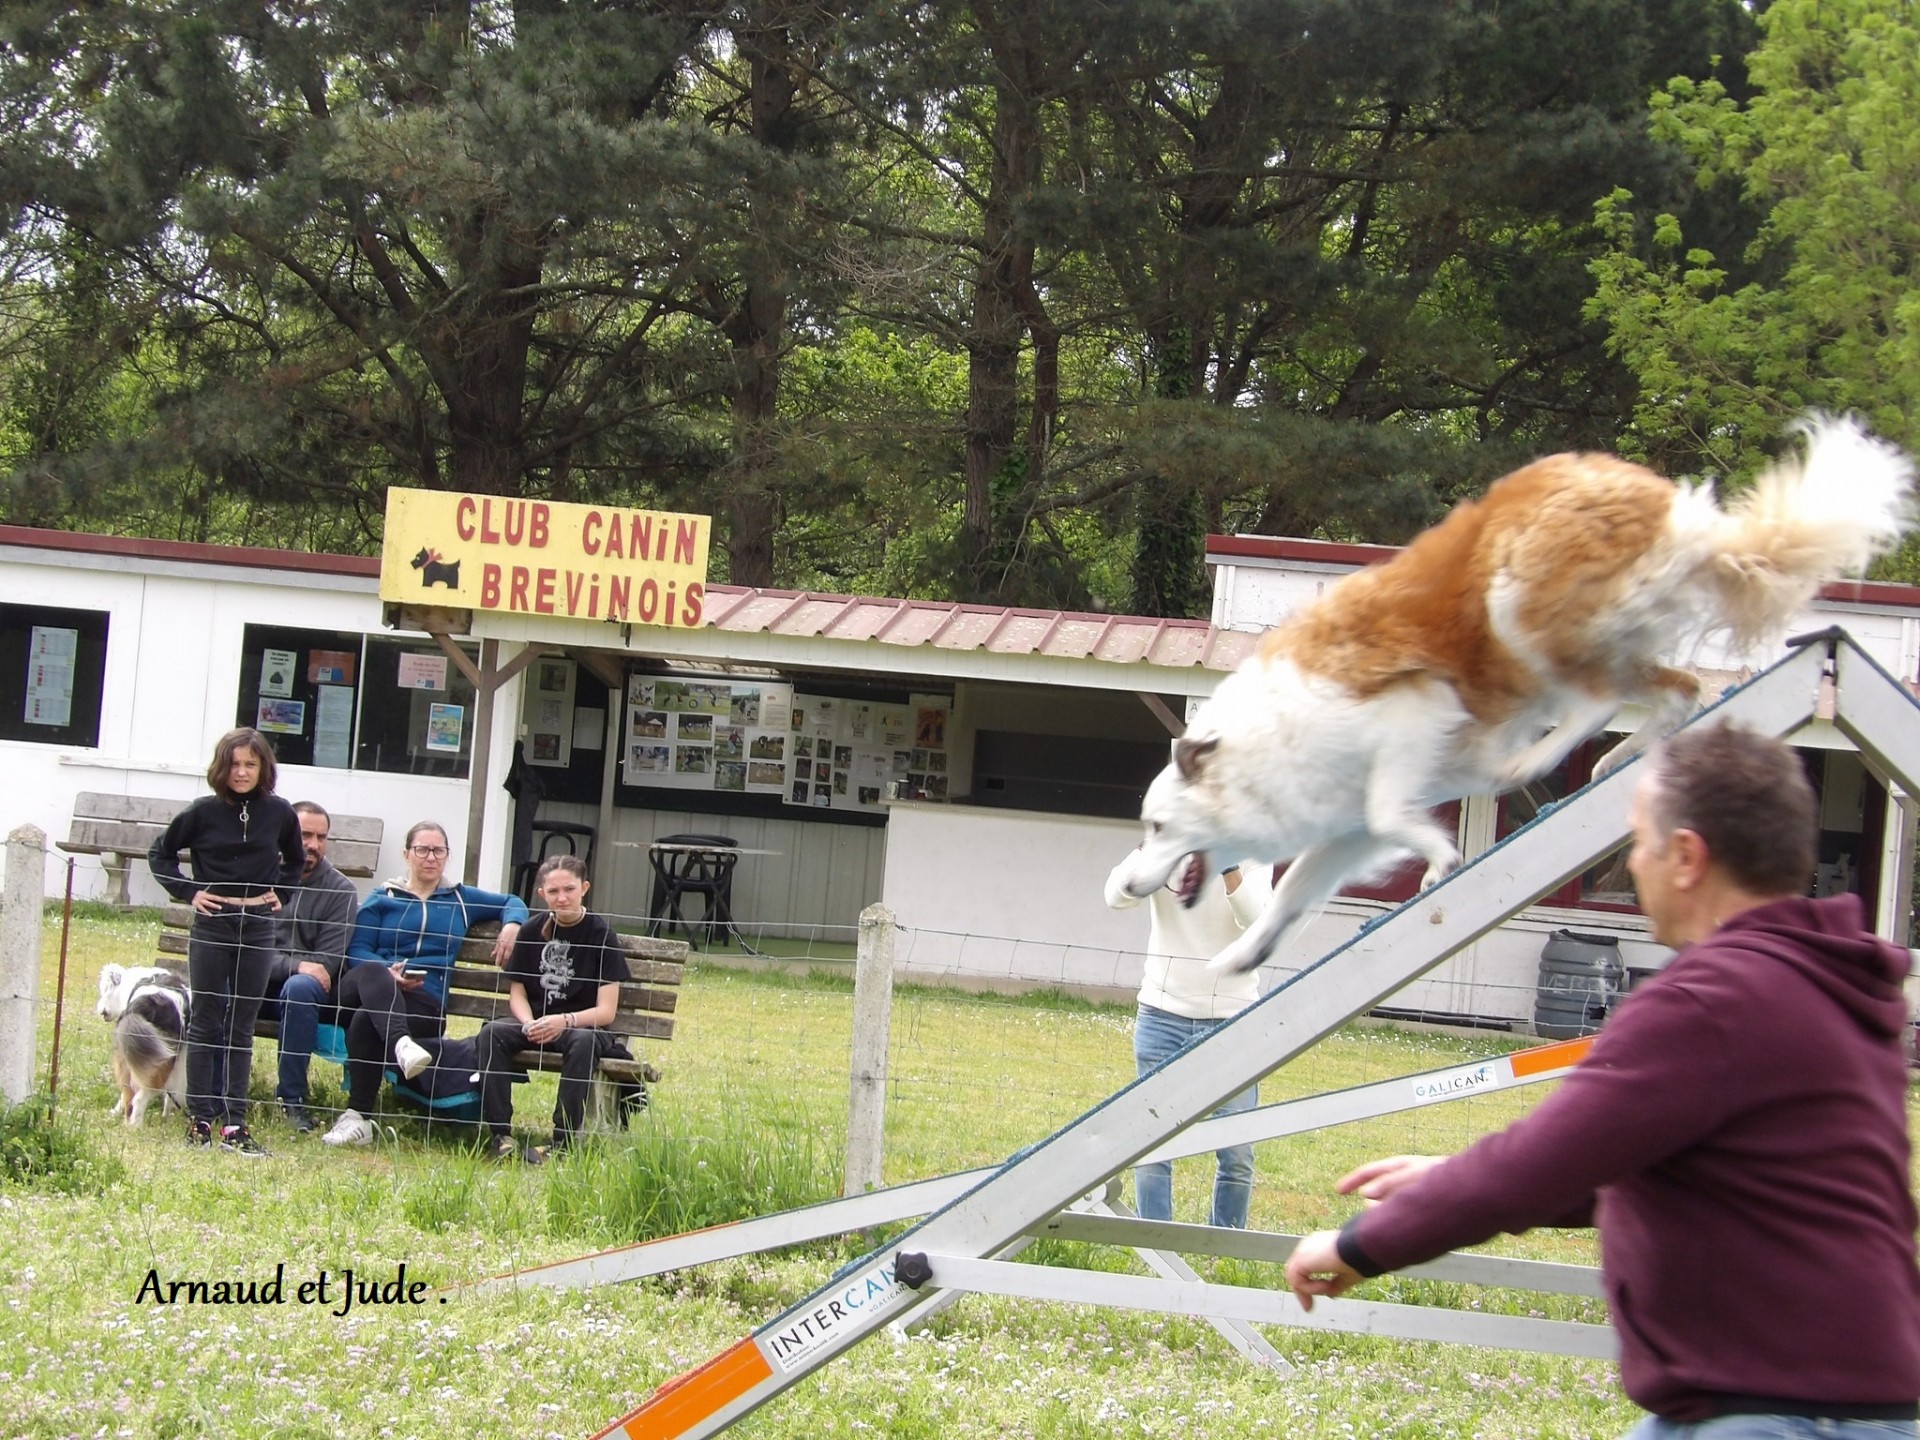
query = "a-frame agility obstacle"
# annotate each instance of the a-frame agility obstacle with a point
(956, 1247)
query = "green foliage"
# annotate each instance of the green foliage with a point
(42, 1150)
(667, 1177)
(1811, 303)
(946, 299)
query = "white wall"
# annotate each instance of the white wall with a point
(173, 660)
(1008, 895)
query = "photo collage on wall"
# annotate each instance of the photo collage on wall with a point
(855, 754)
(708, 734)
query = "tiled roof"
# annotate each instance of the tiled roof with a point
(945, 625)
(996, 629)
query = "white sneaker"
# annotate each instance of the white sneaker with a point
(352, 1128)
(412, 1055)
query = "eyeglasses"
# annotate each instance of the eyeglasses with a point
(429, 852)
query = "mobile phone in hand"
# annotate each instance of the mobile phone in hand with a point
(414, 972)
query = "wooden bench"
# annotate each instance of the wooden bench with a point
(119, 828)
(478, 992)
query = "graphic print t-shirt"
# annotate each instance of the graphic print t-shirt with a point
(564, 966)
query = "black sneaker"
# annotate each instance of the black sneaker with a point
(501, 1147)
(298, 1120)
(200, 1132)
(236, 1139)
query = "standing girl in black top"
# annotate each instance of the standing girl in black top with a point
(243, 842)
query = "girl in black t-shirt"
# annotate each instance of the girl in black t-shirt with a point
(563, 987)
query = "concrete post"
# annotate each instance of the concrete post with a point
(20, 905)
(872, 1021)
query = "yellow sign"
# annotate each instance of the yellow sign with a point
(539, 557)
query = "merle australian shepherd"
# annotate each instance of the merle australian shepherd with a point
(147, 1007)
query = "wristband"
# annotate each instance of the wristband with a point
(1227, 870)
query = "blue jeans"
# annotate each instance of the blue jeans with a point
(1771, 1427)
(297, 1005)
(1156, 1036)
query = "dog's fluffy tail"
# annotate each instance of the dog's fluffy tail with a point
(1805, 521)
(147, 1050)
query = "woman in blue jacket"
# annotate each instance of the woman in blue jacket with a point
(394, 992)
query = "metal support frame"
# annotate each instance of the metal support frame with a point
(948, 1250)
(905, 1202)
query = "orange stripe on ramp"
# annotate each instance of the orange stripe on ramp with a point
(1550, 1057)
(686, 1399)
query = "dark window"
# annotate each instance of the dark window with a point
(416, 709)
(347, 701)
(54, 664)
(1064, 774)
(300, 688)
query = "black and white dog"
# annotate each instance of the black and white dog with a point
(147, 1007)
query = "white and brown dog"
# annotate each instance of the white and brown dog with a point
(147, 1007)
(1480, 656)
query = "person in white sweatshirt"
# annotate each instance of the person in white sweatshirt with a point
(1181, 999)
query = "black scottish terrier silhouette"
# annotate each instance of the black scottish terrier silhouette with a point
(434, 570)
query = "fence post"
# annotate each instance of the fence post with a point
(20, 906)
(872, 1018)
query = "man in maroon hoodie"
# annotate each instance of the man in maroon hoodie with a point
(1738, 1133)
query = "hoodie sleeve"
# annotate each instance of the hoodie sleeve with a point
(1652, 1085)
(323, 927)
(491, 905)
(364, 947)
(163, 859)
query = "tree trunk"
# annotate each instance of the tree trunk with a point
(756, 329)
(1001, 279)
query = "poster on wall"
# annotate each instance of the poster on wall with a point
(547, 713)
(330, 667)
(51, 654)
(444, 726)
(728, 736)
(856, 754)
(333, 726)
(276, 672)
(422, 672)
(280, 717)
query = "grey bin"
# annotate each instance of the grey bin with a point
(1581, 978)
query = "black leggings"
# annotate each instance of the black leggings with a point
(229, 955)
(376, 1013)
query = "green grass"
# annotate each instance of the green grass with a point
(749, 1119)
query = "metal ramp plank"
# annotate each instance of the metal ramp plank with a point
(1272, 1121)
(1382, 958)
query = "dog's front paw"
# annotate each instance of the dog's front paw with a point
(1438, 871)
(1244, 954)
(1615, 758)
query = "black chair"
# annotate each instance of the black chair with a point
(686, 865)
(524, 784)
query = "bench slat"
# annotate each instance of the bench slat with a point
(638, 1071)
(354, 829)
(625, 1022)
(124, 836)
(478, 950)
(487, 981)
(140, 809)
